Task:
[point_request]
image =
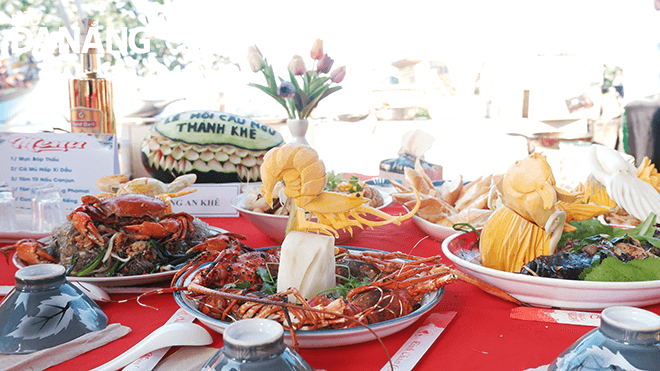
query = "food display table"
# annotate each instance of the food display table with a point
(482, 336)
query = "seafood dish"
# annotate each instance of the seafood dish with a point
(463, 252)
(370, 287)
(607, 254)
(449, 203)
(601, 255)
(536, 215)
(297, 284)
(122, 235)
(131, 231)
(543, 234)
(322, 337)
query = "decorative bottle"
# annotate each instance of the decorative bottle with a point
(90, 96)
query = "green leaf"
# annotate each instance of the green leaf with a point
(614, 270)
(294, 81)
(308, 109)
(317, 83)
(302, 102)
(266, 90)
(586, 228)
(646, 228)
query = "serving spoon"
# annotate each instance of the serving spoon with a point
(173, 334)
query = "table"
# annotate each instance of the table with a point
(482, 336)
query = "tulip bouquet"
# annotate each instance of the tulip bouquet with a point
(306, 88)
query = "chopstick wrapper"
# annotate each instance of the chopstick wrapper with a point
(556, 316)
(43, 359)
(419, 342)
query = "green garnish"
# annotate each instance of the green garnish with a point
(74, 261)
(113, 269)
(612, 269)
(590, 230)
(269, 286)
(350, 284)
(335, 179)
(94, 263)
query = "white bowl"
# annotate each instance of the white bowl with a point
(275, 225)
(549, 292)
(436, 231)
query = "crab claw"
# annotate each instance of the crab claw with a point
(30, 251)
(83, 223)
(217, 243)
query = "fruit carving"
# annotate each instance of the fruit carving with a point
(305, 179)
(216, 146)
(624, 183)
(532, 217)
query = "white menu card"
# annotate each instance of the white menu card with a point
(71, 162)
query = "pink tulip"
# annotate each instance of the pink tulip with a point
(338, 74)
(255, 59)
(254, 49)
(317, 49)
(297, 66)
(325, 64)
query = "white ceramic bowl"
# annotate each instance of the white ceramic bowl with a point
(550, 292)
(275, 225)
(436, 231)
(45, 310)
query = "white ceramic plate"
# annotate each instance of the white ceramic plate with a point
(275, 225)
(323, 338)
(143, 279)
(436, 231)
(551, 292)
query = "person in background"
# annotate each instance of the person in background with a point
(617, 81)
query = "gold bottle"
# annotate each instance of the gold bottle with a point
(90, 96)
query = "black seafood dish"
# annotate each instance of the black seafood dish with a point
(577, 255)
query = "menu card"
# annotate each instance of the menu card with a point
(71, 162)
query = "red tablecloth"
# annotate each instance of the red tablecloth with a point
(482, 336)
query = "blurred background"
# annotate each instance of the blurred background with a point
(556, 62)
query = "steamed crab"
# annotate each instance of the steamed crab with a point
(116, 210)
(125, 234)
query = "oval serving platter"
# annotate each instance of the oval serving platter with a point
(321, 338)
(549, 292)
(142, 279)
